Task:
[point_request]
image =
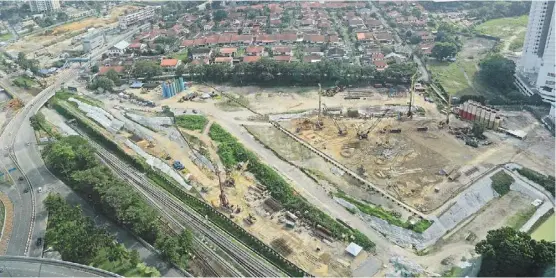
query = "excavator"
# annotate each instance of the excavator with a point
(342, 130)
(364, 133)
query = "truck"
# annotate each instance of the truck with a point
(177, 165)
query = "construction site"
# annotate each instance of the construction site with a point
(418, 158)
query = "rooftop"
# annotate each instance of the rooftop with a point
(169, 62)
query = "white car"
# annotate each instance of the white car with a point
(40, 190)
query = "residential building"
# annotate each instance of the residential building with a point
(227, 51)
(224, 60)
(104, 70)
(118, 49)
(169, 64)
(251, 59)
(535, 72)
(282, 51)
(143, 14)
(200, 53)
(39, 6)
(255, 51)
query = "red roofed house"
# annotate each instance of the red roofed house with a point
(137, 47)
(227, 51)
(224, 60)
(104, 70)
(187, 43)
(255, 51)
(314, 38)
(284, 58)
(169, 64)
(312, 59)
(282, 51)
(380, 65)
(251, 59)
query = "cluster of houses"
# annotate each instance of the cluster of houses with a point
(282, 31)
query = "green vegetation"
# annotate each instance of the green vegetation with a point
(182, 55)
(389, 216)
(497, 72)
(501, 182)
(65, 95)
(520, 218)
(23, 81)
(6, 37)
(510, 253)
(270, 72)
(72, 160)
(545, 227)
(102, 82)
(453, 272)
(78, 240)
(27, 64)
(2, 215)
(503, 28)
(517, 42)
(545, 181)
(38, 122)
(177, 190)
(451, 75)
(232, 152)
(191, 122)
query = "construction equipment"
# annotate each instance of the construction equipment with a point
(411, 93)
(319, 124)
(342, 131)
(364, 133)
(224, 203)
(250, 219)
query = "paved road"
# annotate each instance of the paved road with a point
(26, 267)
(29, 213)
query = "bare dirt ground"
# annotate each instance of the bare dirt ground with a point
(60, 38)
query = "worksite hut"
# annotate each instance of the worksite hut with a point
(353, 249)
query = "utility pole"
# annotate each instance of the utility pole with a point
(449, 110)
(320, 103)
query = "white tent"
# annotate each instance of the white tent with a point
(354, 249)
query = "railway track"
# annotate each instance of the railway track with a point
(249, 262)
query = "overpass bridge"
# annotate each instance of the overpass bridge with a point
(15, 266)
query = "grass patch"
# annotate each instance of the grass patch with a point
(192, 122)
(520, 218)
(65, 95)
(502, 28)
(547, 182)
(453, 272)
(23, 81)
(383, 214)
(517, 44)
(450, 77)
(6, 37)
(182, 55)
(501, 182)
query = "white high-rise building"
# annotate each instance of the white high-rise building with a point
(38, 6)
(535, 72)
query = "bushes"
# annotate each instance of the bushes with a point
(501, 182)
(379, 212)
(545, 181)
(191, 122)
(231, 152)
(78, 240)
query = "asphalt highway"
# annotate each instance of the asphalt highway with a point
(17, 144)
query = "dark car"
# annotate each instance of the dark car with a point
(26, 190)
(39, 241)
(20, 178)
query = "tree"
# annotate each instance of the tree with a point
(215, 5)
(497, 72)
(416, 13)
(510, 253)
(408, 33)
(478, 129)
(415, 39)
(37, 120)
(443, 50)
(113, 75)
(103, 82)
(147, 69)
(94, 69)
(180, 70)
(219, 15)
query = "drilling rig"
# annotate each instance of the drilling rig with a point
(411, 93)
(364, 133)
(319, 124)
(224, 203)
(342, 130)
